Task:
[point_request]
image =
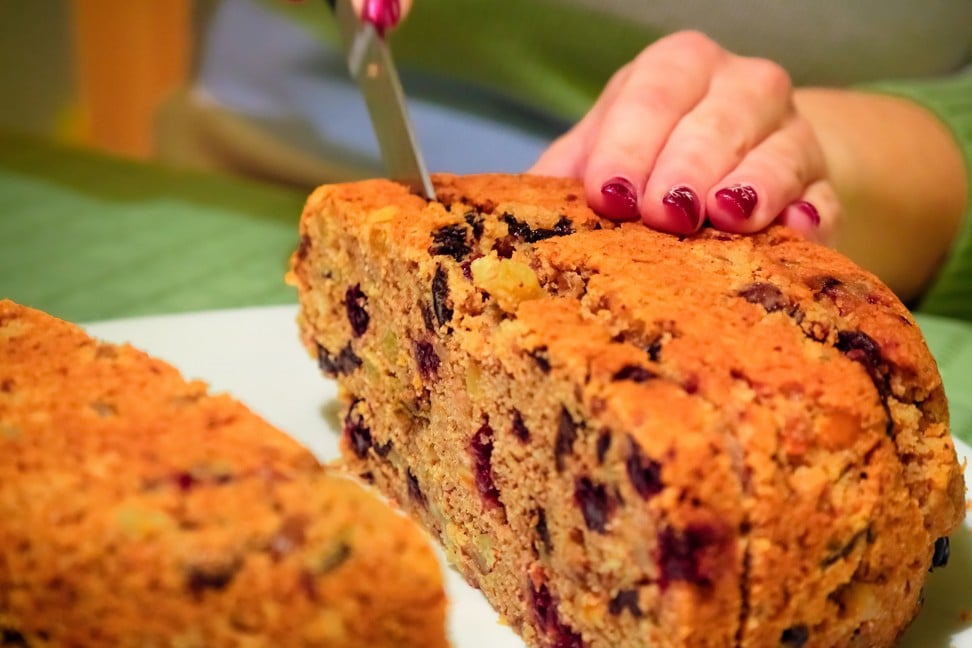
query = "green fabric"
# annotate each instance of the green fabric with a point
(88, 237)
(951, 100)
(950, 341)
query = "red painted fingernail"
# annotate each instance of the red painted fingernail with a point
(383, 14)
(620, 200)
(739, 200)
(809, 211)
(683, 204)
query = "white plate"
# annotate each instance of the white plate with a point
(254, 353)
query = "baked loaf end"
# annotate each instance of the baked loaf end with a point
(627, 438)
(136, 510)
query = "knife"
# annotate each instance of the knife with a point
(372, 68)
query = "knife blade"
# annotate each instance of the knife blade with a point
(371, 66)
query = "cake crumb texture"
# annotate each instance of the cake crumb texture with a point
(139, 510)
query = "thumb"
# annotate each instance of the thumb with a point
(383, 14)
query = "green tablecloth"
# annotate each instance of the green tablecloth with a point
(86, 237)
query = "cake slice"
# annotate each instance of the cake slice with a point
(628, 438)
(138, 510)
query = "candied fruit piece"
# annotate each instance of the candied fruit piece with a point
(509, 282)
(354, 303)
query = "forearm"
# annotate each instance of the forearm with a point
(900, 177)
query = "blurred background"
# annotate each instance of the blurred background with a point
(94, 72)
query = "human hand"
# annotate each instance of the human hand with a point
(383, 14)
(689, 131)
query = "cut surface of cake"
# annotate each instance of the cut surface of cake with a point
(137, 510)
(629, 438)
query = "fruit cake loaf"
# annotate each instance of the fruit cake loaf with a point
(136, 510)
(628, 438)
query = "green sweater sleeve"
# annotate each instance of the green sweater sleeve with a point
(950, 99)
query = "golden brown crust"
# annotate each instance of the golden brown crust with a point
(786, 423)
(138, 510)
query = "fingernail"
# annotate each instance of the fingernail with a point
(683, 204)
(809, 212)
(739, 200)
(383, 14)
(620, 200)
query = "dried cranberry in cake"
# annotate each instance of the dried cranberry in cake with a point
(344, 363)
(595, 504)
(355, 429)
(504, 247)
(543, 533)
(566, 435)
(520, 430)
(603, 445)
(12, 639)
(542, 358)
(450, 241)
(794, 637)
(414, 490)
(524, 232)
(382, 449)
(548, 620)
(427, 359)
(481, 448)
(441, 304)
(625, 600)
(354, 302)
(825, 286)
(644, 472)
(861, 347)
(212, 574)
(765, 294)
(942, 551)
(681, 554)
(634, 373)
(475, 222)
